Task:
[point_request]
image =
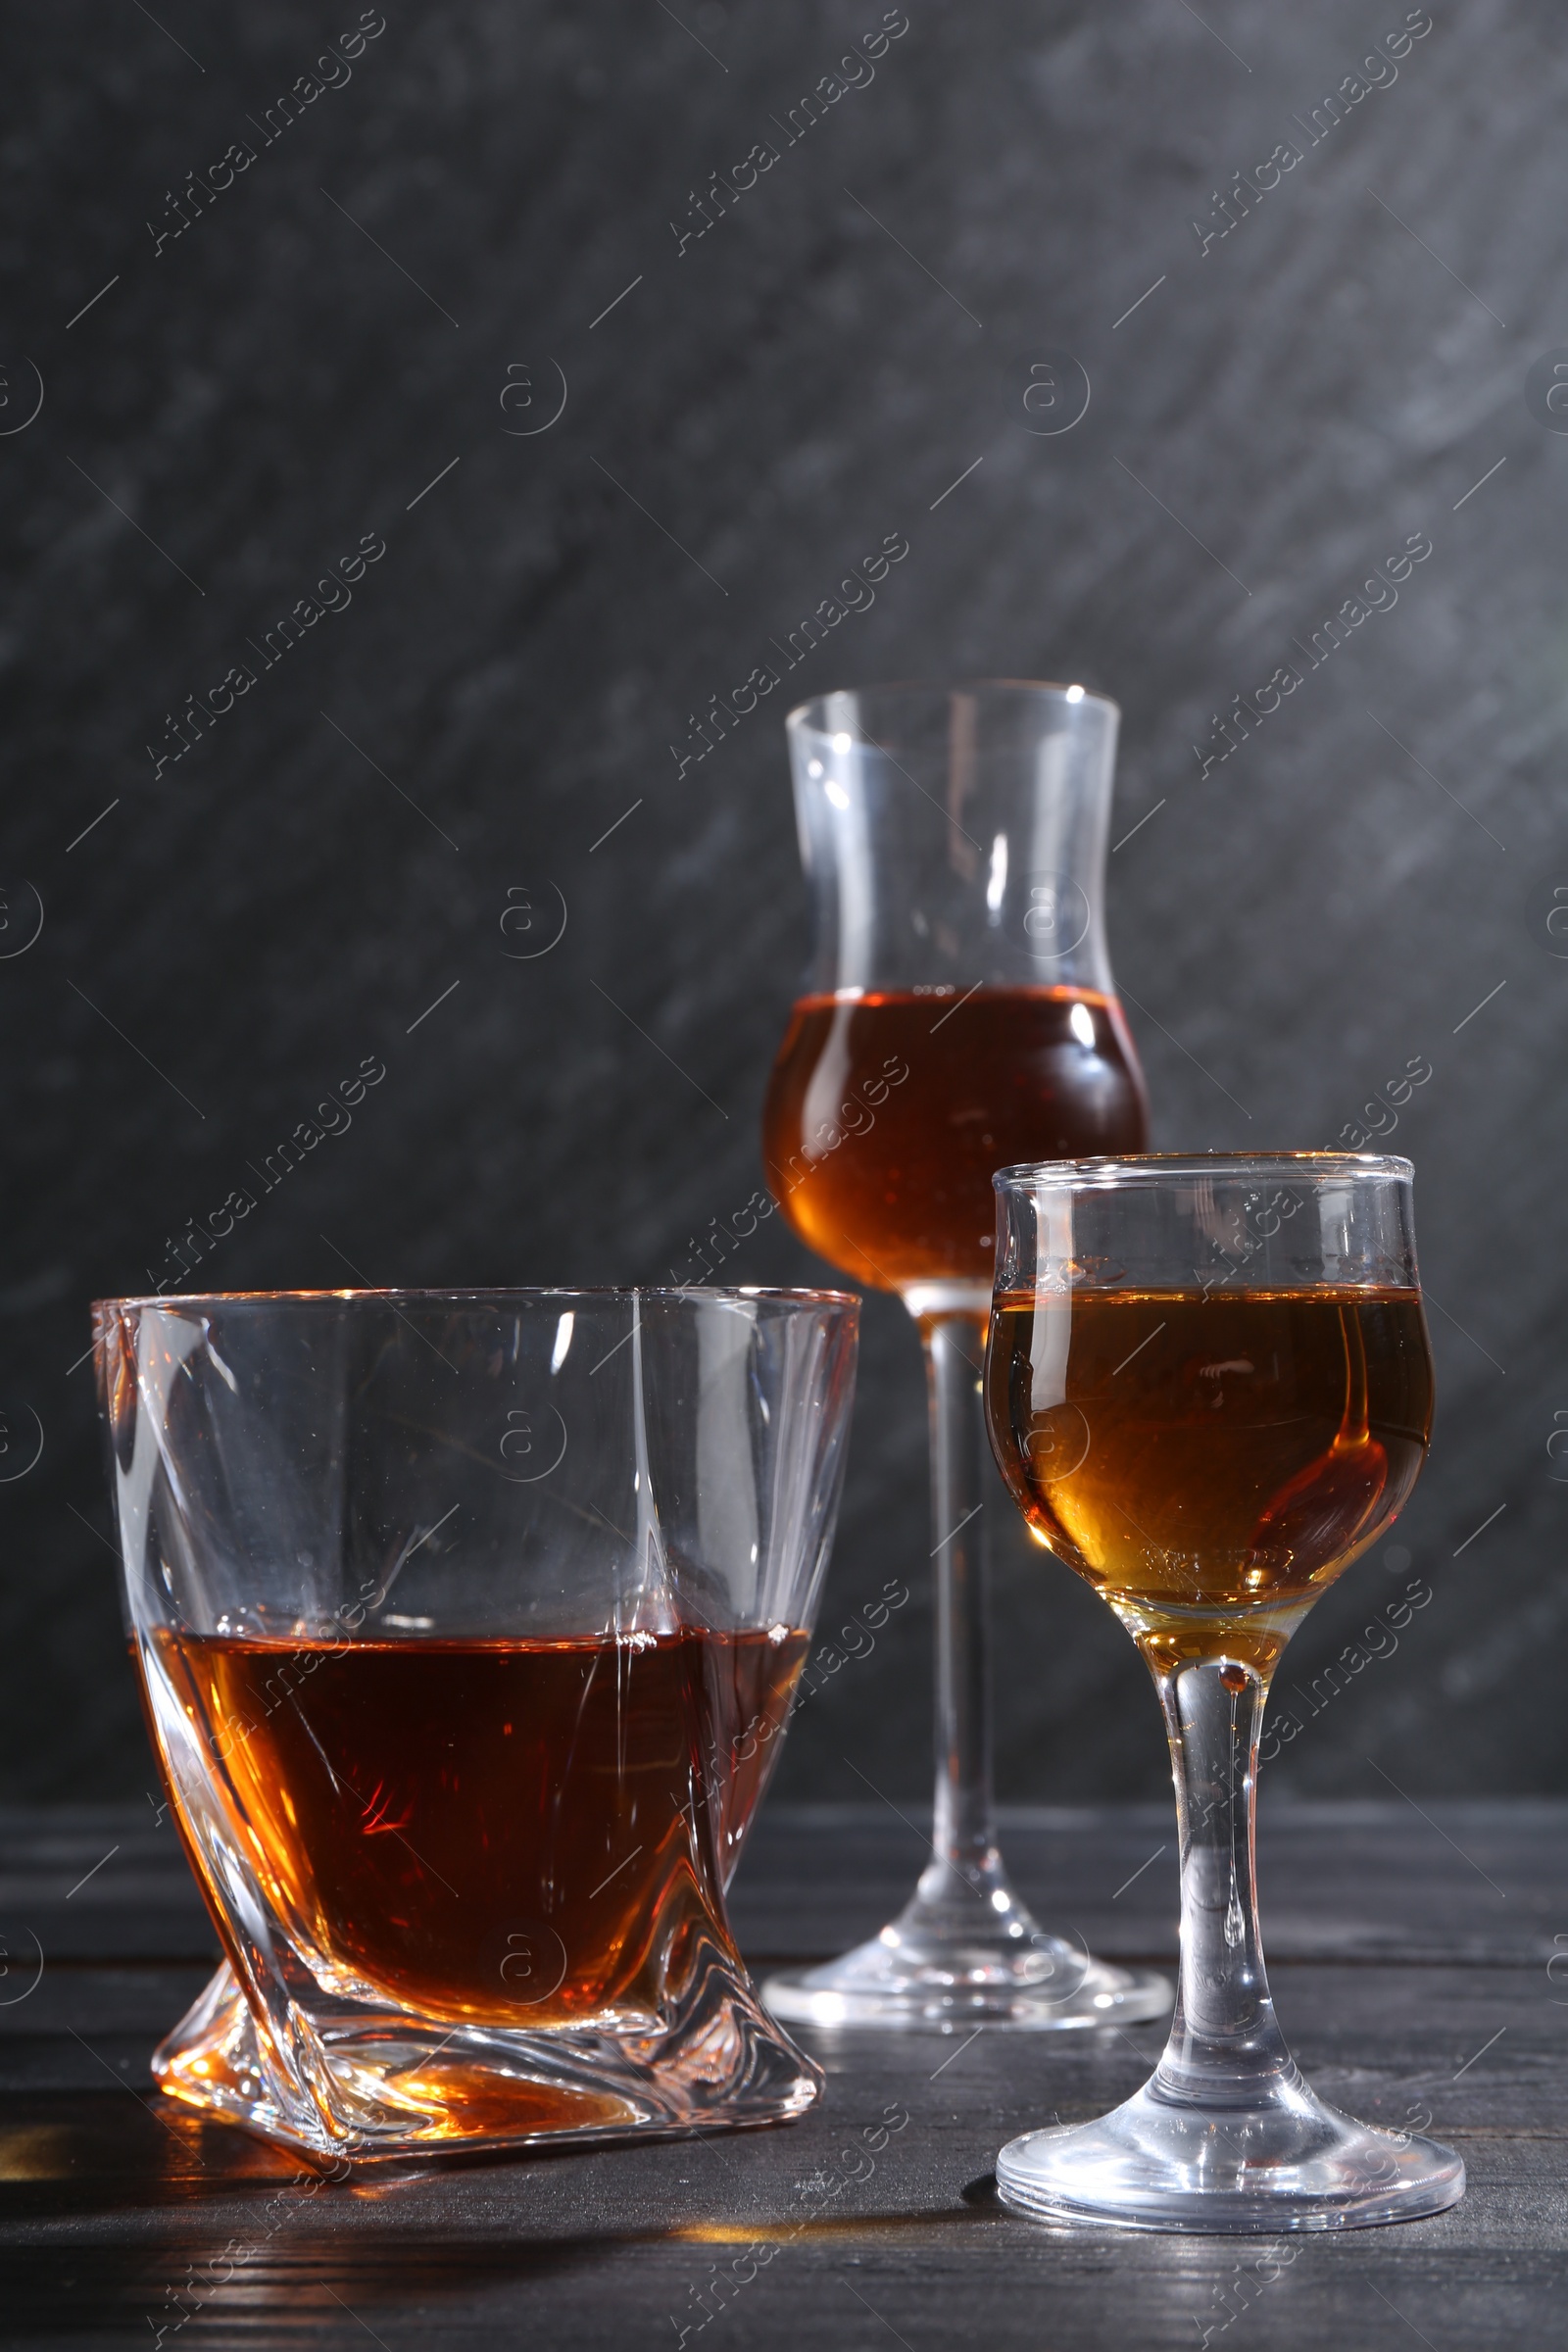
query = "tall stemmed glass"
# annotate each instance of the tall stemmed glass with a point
(1210, 1389)
(960, 1012)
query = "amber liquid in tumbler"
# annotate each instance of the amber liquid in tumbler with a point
(517, 1833)
(1209, 1461)
(888, 1113)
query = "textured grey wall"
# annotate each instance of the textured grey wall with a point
(368, 330)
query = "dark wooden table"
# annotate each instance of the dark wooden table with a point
(1412, 1962)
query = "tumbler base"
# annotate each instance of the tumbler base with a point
(1289, 2163)
(346, 2081)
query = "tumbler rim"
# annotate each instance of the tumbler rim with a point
(474, 1295)
(1155, 1167)
(799, 721)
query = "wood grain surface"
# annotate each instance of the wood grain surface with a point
(1412, 1968)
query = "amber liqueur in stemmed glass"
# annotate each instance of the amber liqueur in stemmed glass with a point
(1209, 1389)
(902, 1196)
(960, 1011)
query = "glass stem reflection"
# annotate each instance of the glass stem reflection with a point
(966, 1868)
(1225, 2048)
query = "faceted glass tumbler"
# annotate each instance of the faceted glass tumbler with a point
(466, 1624)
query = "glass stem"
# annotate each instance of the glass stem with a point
(965, 1866)
(1225, 2048)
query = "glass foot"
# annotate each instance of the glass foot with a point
(949, 1964)
(1284, 2163)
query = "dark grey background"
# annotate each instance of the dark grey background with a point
(235, 935)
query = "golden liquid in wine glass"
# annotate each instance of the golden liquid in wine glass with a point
(887, 1113)
(1209, 1461)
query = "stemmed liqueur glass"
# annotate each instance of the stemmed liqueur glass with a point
(1210, 1389)
(960, 1012)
